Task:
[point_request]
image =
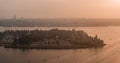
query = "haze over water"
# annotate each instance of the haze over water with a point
(107, 54)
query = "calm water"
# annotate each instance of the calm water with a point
(107, 54)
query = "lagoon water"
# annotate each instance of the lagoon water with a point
(108, 54)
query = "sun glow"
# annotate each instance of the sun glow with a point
(116, 1)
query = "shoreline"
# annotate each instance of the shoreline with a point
(52, 47)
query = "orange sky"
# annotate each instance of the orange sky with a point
(60, 8)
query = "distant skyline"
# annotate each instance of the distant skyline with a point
(60, 8)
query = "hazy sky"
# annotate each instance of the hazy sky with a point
(60, 8)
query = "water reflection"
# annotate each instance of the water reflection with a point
(48, 56)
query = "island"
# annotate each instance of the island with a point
(49, 39)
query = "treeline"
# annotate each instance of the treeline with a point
(27, 37)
